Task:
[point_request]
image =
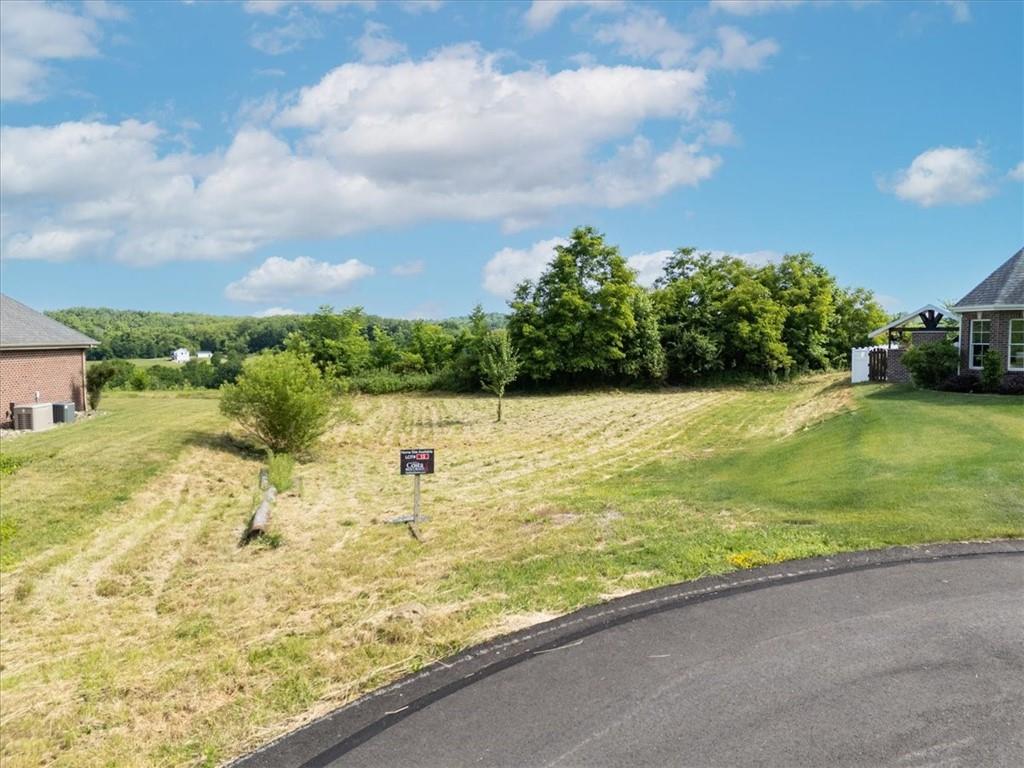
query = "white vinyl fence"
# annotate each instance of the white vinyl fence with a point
(859, 363)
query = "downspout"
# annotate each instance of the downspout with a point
(960, 344)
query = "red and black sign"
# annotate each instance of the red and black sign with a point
(418, 461)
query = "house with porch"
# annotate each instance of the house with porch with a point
(992, 318)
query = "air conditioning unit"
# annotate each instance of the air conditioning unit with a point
(64, 413)
(33, 416)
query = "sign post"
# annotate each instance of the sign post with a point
(416, 462)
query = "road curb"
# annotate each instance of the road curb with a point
(327, 738)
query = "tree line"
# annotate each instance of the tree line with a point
(585, 321)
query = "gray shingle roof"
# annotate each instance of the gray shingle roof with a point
(1005, 286)
(23, 327)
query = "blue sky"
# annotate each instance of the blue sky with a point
(417, 158)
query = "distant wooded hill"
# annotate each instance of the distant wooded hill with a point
(126, 333)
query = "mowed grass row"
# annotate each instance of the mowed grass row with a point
(142, 634)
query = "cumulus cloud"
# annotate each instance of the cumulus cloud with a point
(510, 266)
(1017, 172)
(737, 51)
(276, 312)
(34, 33)
(409, 268)
(279, 278)
(273, 7)
(54, 244)
(942, 176)
(376, 46)
(450, 137)
(647, 35)
(543, 13)
(753, 7)
(285, 37)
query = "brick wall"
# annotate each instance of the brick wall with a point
(57, 374)
(1000, 338)
(895, 372)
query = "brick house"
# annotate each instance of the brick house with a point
(992, 317)
(40, 359)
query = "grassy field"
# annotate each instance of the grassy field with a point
(137, 632)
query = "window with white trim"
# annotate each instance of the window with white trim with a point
(1016, 351)
(981, 340)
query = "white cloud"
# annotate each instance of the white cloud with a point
(421, 6)
(376, 46)
(276, 312)
(960, 9)
(409, 268)
(1017, 172)
(286, 37)
(543, 13)
(942, 176)
(34, 33)
(646, 34)
(282, 278)
(451, 137)
(753, 7)
(650, 266)
(54, 244)
(738, 52)
(720, 133)
(510, 266)
(273, 7)
(104, 9)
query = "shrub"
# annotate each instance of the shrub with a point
(281, 399)
(991, 371)
(279, 470)
(961, 382)
(1012, 386)
(931, 364)
(139, 380)
(383, 382)
(96, 379)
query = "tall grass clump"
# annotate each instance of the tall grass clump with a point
(279, 470)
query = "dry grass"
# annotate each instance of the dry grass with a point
(157, 640)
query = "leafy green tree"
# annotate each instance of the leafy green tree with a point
(281, 399)
(754, 324)
(805, 290)
(384, 353)
(574, 322)
(645, 358)
(499, 365)
(336, 342)
(469, 349)
(855, 315)
(433, 344)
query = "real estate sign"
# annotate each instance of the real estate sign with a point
(417, 461)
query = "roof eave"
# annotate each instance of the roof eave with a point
(28, 347)
(988, 307)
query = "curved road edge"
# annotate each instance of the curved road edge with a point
(323, 740)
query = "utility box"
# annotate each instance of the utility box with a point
(64, 413)
(33, 416)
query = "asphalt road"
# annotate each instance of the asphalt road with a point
(912, 664)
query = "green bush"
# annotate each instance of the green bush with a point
(139, 380)
(931, 364)
(96, 379)
(383, 382)
(991, 371)
(279, 470)
(281, 399)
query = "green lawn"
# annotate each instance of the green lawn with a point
(70, 479)
(138, 632)
(140, 362)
